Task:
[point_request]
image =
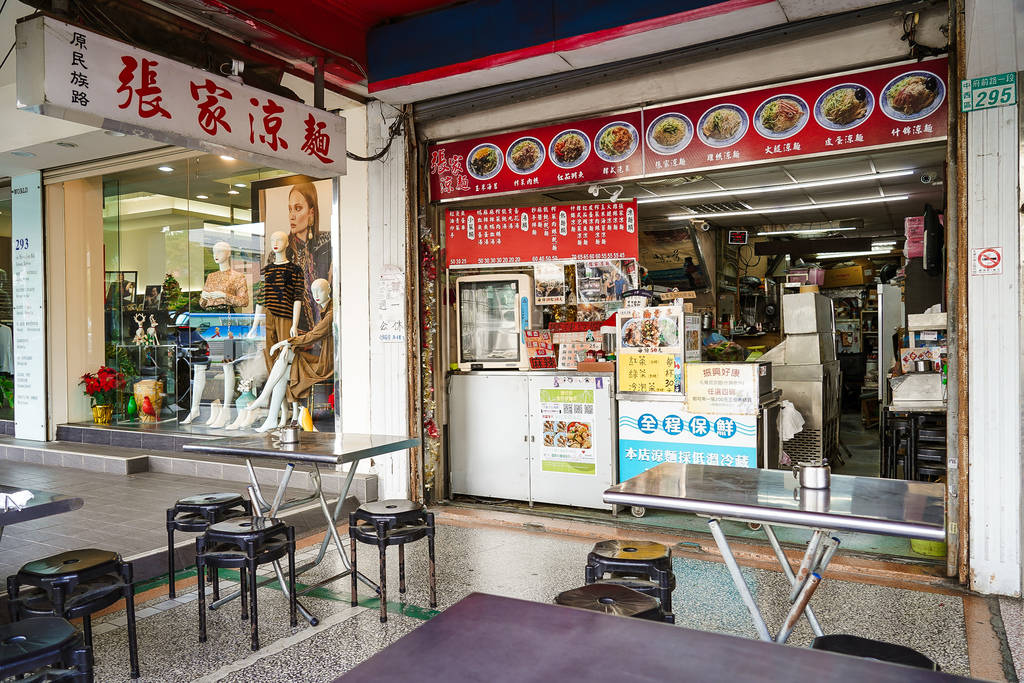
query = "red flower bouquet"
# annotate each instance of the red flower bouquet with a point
(100, 386)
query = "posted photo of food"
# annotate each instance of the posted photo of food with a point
(650, 330)
(549, 283)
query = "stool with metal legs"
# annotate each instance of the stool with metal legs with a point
(194, 515)
(391, 522)
(48, 647)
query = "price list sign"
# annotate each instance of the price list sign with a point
(537, 234)
(647, 372)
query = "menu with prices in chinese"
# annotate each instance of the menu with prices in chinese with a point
(722, 388)
(654, 432)
(535, 234)
(642, 372)
(567, 424)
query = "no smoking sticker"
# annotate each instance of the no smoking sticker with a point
(987, 261)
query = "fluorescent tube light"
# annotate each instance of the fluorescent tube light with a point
(777, 188)
(803, 231)
(850, 254)
(787, 209)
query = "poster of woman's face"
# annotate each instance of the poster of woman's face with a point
(303, 212)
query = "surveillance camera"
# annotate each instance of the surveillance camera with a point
(702, 225)
(929, 177)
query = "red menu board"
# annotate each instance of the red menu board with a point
(571, 232)
(905, 103)
(887, 106)
(595, 150)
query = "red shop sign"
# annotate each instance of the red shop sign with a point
(571, 232)
(893, 105)
(595, 150)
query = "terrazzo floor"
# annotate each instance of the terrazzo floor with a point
(514, 563)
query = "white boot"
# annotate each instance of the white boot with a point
(223, 418)
(240, 421)
(214, 412)
(193, 414)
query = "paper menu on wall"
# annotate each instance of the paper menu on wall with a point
(647, 372)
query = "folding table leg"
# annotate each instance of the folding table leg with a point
(784, 561)
(737, 578)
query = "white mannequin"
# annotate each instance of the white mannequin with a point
(281, 372)
(278, 245)
(220, 414)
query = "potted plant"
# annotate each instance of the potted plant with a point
(101, 387)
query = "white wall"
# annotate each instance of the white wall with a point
(994, 29)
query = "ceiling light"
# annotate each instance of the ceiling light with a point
(165, 169)
(806, 231)
(785, 209)
(887, 243)
(777, 188)
(63, 143)
(201, 196)
(225, 157)
(239, 184)
(19, 153)
(232, 191)
(114, 133)
(850, 254)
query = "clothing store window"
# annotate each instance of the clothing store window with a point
(183, 258)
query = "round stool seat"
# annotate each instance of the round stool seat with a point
(205, 499)
(396, 535)
(73, 561)
(88, 597)
(638, 551)
(612, 599)
(24, 638)
(638, 581)
(395, 506)
(243, 526)
(873, 649)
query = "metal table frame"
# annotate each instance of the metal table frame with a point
(862, 504)
(313, 449)
(42, 504)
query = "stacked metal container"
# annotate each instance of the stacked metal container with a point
(809, 376)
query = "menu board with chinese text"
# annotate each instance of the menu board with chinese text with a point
(647, 372)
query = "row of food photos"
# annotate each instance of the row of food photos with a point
(908, 97)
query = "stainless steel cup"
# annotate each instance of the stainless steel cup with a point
(290, 434)
(813, 476)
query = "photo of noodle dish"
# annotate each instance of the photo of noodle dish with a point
(569, 149)
(616, 142)
(484, 161)
(722, 125)
(649, 333)
(912, 95)
(844, 106)
(525, 155)
(669, 133)
(781, 116)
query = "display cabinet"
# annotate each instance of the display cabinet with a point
(150, 378)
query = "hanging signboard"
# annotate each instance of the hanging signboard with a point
(71, 73)
(590, 151)
(899, 104)
(573, 232)
(653, 432)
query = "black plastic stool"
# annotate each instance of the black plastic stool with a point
(194, 514)
(391, 522)
(75, 584)
(873, 649)
(49, 647)
(611, 598)
(643, 566)
(244, 543)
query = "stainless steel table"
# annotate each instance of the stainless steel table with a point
(910, 509)
(503, 640)
(42, 504)
(313, 449)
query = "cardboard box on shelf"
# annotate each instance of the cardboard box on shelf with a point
(861, 273)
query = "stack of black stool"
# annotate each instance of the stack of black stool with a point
(391, 522)
(72, 585)
(48, 647)
(643, 566)
(194, 515)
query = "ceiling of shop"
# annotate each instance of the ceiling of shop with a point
(880, 220)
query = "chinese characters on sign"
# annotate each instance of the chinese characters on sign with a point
(722, 388)
(858, 110)
(647, 372)
(653, 432)
(573, 232)
(93, 79)
(567, 428)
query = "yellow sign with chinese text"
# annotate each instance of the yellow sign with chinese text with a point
(647, 372)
